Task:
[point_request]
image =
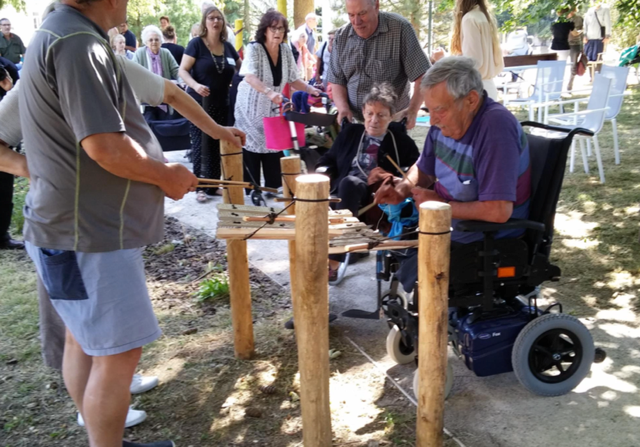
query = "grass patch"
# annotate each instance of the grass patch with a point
(20, 189)
(18, 307)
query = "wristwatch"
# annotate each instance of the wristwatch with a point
(267, 91)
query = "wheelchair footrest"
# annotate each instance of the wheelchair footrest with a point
(362, 314)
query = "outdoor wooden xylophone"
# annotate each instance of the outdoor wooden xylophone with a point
(346, 233)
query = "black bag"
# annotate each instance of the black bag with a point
(603, 30)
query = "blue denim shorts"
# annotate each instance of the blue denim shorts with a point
(101, 297)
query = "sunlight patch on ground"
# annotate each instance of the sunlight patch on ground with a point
(632, 410)
(582, 244)
(169, 370)
(570, 224)
(601, 374)
(353, 403)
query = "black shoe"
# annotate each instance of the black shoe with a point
(289, 324)
(6, 243)
(152, 444)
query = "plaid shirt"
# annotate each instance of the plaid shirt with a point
(391, 54)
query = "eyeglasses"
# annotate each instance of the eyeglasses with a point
(152, 39)
(277, 29)
(215, 19)
(5, 24)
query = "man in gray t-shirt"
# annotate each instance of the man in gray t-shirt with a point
(97, 194)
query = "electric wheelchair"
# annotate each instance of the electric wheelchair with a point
(495, 323)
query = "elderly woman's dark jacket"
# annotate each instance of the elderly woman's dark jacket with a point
(344, 149)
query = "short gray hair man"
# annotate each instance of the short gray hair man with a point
(460, 74)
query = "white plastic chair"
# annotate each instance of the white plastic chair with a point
(548, 88)
(592, 119)
(618, 76)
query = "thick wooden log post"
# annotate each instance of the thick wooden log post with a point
(433, 288)
(290, 167)
(237, 260)
(311, 308)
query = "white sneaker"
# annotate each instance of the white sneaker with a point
(134, 417)
(140, 384)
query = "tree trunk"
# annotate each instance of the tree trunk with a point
(300, 10)
(247, 21)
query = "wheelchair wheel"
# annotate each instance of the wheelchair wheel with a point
(552, 354)
(448, 384)
(397, 349)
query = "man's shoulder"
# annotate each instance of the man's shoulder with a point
(496, 114)
(394, 19)
(343, 31)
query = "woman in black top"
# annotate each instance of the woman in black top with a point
(207, 67)
(560, 31)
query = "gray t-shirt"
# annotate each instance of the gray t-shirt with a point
(72, 88)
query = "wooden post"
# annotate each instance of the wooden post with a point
(237, 259)
(311, 308)
(239, 24)
(282, 7)
(433, 297)
(290, 167)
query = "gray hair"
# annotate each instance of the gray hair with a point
(148, 31)
(460, 74)
(382, 94)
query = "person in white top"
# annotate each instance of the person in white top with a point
(475, 34)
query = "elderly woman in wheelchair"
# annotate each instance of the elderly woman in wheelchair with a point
(361, 149)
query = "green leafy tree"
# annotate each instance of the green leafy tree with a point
(18, 5)
(628, 22)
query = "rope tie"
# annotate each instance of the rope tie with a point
(435, 234)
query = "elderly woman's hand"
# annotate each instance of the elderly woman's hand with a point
(202, 90)
(313, 91)
(275, 97)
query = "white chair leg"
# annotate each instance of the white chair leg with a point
(589, 148)
(573, 155)
(530, 112)
(585, 160)
(598, 158)
(616, 149)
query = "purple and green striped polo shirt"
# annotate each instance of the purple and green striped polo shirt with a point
(490, 162)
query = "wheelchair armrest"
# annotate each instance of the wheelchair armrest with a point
(512, 224)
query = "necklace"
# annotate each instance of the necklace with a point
(219, 67)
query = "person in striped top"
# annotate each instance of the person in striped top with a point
(475, 156)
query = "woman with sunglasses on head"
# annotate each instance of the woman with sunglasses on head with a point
(208, 65)
(268, 67)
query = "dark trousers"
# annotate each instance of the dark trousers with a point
(270, 164)
(574, 51)
(354, 194)
(6, 202)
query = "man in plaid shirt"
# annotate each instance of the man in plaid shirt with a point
(375, 47)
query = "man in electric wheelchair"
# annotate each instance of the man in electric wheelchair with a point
(477, 158)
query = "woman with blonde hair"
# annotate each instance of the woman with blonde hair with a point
(475, 34)
(118, 46)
